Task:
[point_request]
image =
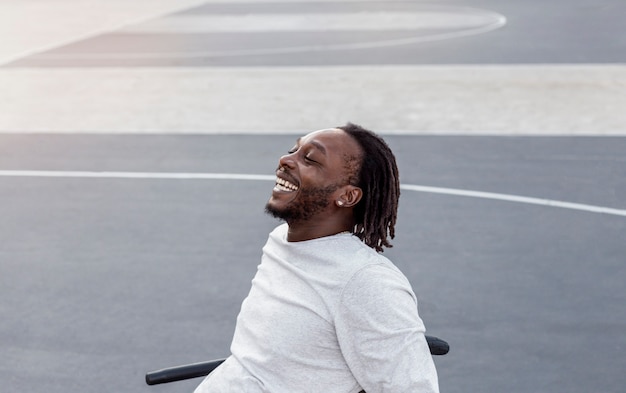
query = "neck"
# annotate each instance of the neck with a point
(301, 231)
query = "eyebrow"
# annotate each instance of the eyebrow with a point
(318, 145)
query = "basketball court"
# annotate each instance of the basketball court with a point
(138, 143)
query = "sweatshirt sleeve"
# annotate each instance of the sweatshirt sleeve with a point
(381, 335)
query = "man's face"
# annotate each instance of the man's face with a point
(310, 176)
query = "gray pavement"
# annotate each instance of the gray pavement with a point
(105, 278)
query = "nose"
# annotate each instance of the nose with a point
(287, 161)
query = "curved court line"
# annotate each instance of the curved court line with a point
(379, 20)
(499, 21)
(515, 198)
(243, 176)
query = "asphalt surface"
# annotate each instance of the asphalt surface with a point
(105, 278)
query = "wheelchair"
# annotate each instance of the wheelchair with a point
(436, 345)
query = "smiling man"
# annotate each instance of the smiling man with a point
(327, 312)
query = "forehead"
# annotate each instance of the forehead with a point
(333, 142)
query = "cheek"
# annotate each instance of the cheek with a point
(318, 195)
(315, 177)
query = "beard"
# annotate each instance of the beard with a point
(307, 204)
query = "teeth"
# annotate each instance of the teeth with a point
(284, 185)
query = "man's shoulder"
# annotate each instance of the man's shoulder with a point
(363, 252)
(360, 260)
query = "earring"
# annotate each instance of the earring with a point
(339, 203)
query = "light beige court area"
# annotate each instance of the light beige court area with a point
(532, 100)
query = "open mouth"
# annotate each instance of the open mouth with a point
(284, 185)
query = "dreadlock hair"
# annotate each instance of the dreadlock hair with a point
(375, 215)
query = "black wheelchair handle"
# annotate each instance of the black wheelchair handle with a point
(436, 345)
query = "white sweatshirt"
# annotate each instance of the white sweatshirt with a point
(326, 315)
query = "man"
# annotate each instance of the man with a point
(327, 312)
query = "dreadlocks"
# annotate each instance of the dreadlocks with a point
(375, 215)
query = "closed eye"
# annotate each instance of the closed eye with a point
(307, 157)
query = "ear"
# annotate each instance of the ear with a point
(350, 196)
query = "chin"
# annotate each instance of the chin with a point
(271, 209)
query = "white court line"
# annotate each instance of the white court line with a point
(137, 175)
(314, 22)
(497, 22)
(515, 198)
(242, 176)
